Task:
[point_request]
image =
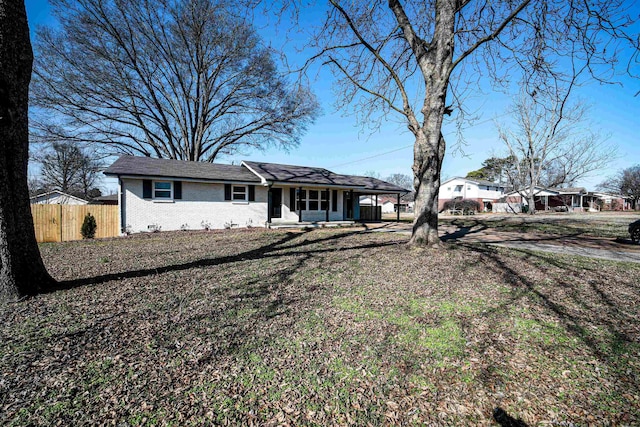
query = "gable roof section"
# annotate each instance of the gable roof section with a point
(58, 193)
(164, 168)
(289, 174)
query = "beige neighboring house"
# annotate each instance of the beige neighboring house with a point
(56, 197)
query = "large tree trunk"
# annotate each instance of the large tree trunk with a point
(428, 156)
(428, 153)
(21, 269)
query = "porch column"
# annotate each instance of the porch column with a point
(328, 203)
(398, 209)
(375, 211)
(269, 203)
(300, 204)
(353, 207)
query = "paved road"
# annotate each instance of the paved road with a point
(593, 247)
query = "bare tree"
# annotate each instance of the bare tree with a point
(68, 168)
(550, 145)
(401, 180)
(166, 78)
(22, 271)
(626, 182)
(372, 174)
(418, 59)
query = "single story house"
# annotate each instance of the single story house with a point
(388, 204)
(576, 199)
(484, 192)
(56, 197)
(609, 202)
(161, 194)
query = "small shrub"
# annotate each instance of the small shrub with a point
(88, 229)
(465, 205)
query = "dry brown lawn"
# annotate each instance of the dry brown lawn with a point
(325, 327)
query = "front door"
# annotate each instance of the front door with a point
(276, 203)
(348, 205)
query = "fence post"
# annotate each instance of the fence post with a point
(60, 220)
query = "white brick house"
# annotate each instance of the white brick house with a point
(173, 195)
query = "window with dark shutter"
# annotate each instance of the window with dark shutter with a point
(252, 193)
(227, 191)
(177, 189)
(334, 200)
(292, 199)
(146, 188)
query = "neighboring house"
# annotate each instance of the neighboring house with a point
(610, 202)
(109, 199)
(484, 192)
(56, 197)
(388, 204)
(575, 199)
(173, 194)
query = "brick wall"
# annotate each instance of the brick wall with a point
(201, 202)
(204, 202)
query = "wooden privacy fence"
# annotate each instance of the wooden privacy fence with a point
(60, 223)
(370, 213)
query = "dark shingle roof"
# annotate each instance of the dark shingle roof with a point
(282, 174)
(147, 166)
(297, 174)
(373, 184)
(107, 198)
(318, 176)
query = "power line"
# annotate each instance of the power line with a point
(407, 146)
(372, 157)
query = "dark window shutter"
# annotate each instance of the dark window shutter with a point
(334, 199)
(177, 189)
(227, 191)
(252, 193)
(146, 189)
(292, 199)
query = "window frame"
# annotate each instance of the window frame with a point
(245, 192)
(307, 200)
(154, 190)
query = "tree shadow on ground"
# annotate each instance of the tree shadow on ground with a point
(266, 298)
(580, 304)
(506, 420)
(274, 249)
(470, 227)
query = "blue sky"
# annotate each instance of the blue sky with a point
(337, 142)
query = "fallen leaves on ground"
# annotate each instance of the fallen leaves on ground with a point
(325, 327)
